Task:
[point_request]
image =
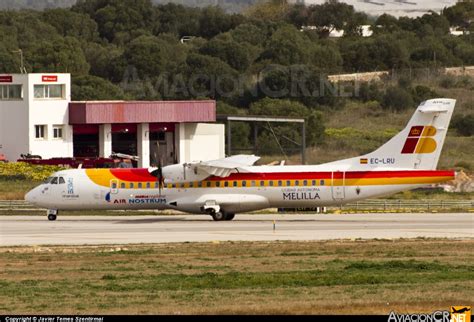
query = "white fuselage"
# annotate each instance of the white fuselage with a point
(257, 187)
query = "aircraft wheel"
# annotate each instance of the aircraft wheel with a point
(51, 217)
(229, 216)
(218, 216)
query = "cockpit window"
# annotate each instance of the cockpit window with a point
(61, 180)
(48, 180)
(54, 180)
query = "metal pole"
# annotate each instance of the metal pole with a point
(229, 139)
(303, 145)
(255, 134)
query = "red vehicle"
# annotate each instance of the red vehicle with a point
(73, 162)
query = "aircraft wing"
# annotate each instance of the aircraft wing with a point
(225, 167)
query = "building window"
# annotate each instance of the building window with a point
(11, 92)
(49, 91)
(40, 131)
(57, 131)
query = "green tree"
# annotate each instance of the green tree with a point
(119, 16)
(288, 46)
(461, 14)
(235, 54)
(178, 19)
(464, 124)
(152, 55)
(397, 99)
(70, 23)
(94, 88)
(332, 15)
(213, 21)
(63, 55)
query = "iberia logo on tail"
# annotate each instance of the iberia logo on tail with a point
(420, 140)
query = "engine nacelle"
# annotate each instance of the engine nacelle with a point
(180, 173)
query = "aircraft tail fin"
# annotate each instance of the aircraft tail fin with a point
(417, 146)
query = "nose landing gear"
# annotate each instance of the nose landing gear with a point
(52, 214)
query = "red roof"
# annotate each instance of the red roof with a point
(105, 112)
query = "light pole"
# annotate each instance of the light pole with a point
(22, 66)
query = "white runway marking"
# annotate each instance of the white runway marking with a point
(91, 230)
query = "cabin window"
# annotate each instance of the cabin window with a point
(139, 185)
(191, 184)
(271, 183)
(122, 185)
(252, 183)
(244, 183)
(297, 182)
(262, 183)
(235, 184)
(148, 185)
(61, 180)
(173, 186)
(288, 183)
(181, 185)
(208, 184)
(157, 184)
(114, 185)
(218, 184)
(226, 183)
(305, 182)
(200, 184)
(313, 183)
(131, 185)
(321, 182)
(280, 183)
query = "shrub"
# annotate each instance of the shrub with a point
(397, 99)
(464, 124)
(22, 170)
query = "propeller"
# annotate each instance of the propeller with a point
(160, 178)
(158, 173)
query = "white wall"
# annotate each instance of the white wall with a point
(200, 142)
(50, 112)
(14, 122)
(19, 117)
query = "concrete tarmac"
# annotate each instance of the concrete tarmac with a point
(94, 230)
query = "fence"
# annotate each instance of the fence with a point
(369, 204)
(392, 205)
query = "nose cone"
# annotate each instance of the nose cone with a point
(31, 196)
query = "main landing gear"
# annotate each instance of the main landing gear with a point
(52, 214)
(220, 215)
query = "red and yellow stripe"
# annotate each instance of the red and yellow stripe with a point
(104, 177)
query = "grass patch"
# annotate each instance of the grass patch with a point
(199, 278)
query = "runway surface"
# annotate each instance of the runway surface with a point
(92, 230)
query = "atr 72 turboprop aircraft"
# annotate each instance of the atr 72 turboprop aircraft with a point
(222, 188)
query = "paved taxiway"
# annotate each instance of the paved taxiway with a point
(79, 230)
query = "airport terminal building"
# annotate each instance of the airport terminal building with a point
(38, 117)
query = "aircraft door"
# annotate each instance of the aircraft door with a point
(338, 185)
(114, 186)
